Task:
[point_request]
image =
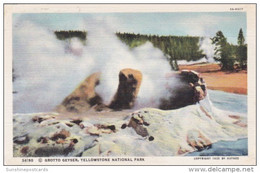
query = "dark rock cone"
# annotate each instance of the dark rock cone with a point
(190, 90)
(129, 84)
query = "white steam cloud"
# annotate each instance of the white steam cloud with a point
(45, 72)
(48, 69)
(208, 48)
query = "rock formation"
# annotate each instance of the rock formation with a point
(190, 90)
(146, 132)
(83, 97)
(129, 84)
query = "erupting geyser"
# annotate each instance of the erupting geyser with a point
(47, 72)
(190, 90)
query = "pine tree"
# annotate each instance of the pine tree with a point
(241, 50)
(240, 38)
(223, 51)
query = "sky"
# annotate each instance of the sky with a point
(175, 23)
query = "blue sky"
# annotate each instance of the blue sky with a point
(177, 23)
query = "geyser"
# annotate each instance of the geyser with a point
(49, 69)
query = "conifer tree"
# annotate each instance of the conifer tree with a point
(223, 51)
(240, 38)
(241, 50)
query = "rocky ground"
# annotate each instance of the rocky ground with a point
(145, 132)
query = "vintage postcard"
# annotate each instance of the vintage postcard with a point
(132, 84)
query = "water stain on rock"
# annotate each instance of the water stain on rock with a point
(21, 139)
(63, 134)
(43, 140)
(24, 150)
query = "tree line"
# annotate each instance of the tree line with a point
(63, 35)
(174, 47)
(186, 48)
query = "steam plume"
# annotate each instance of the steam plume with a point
(49, 69)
